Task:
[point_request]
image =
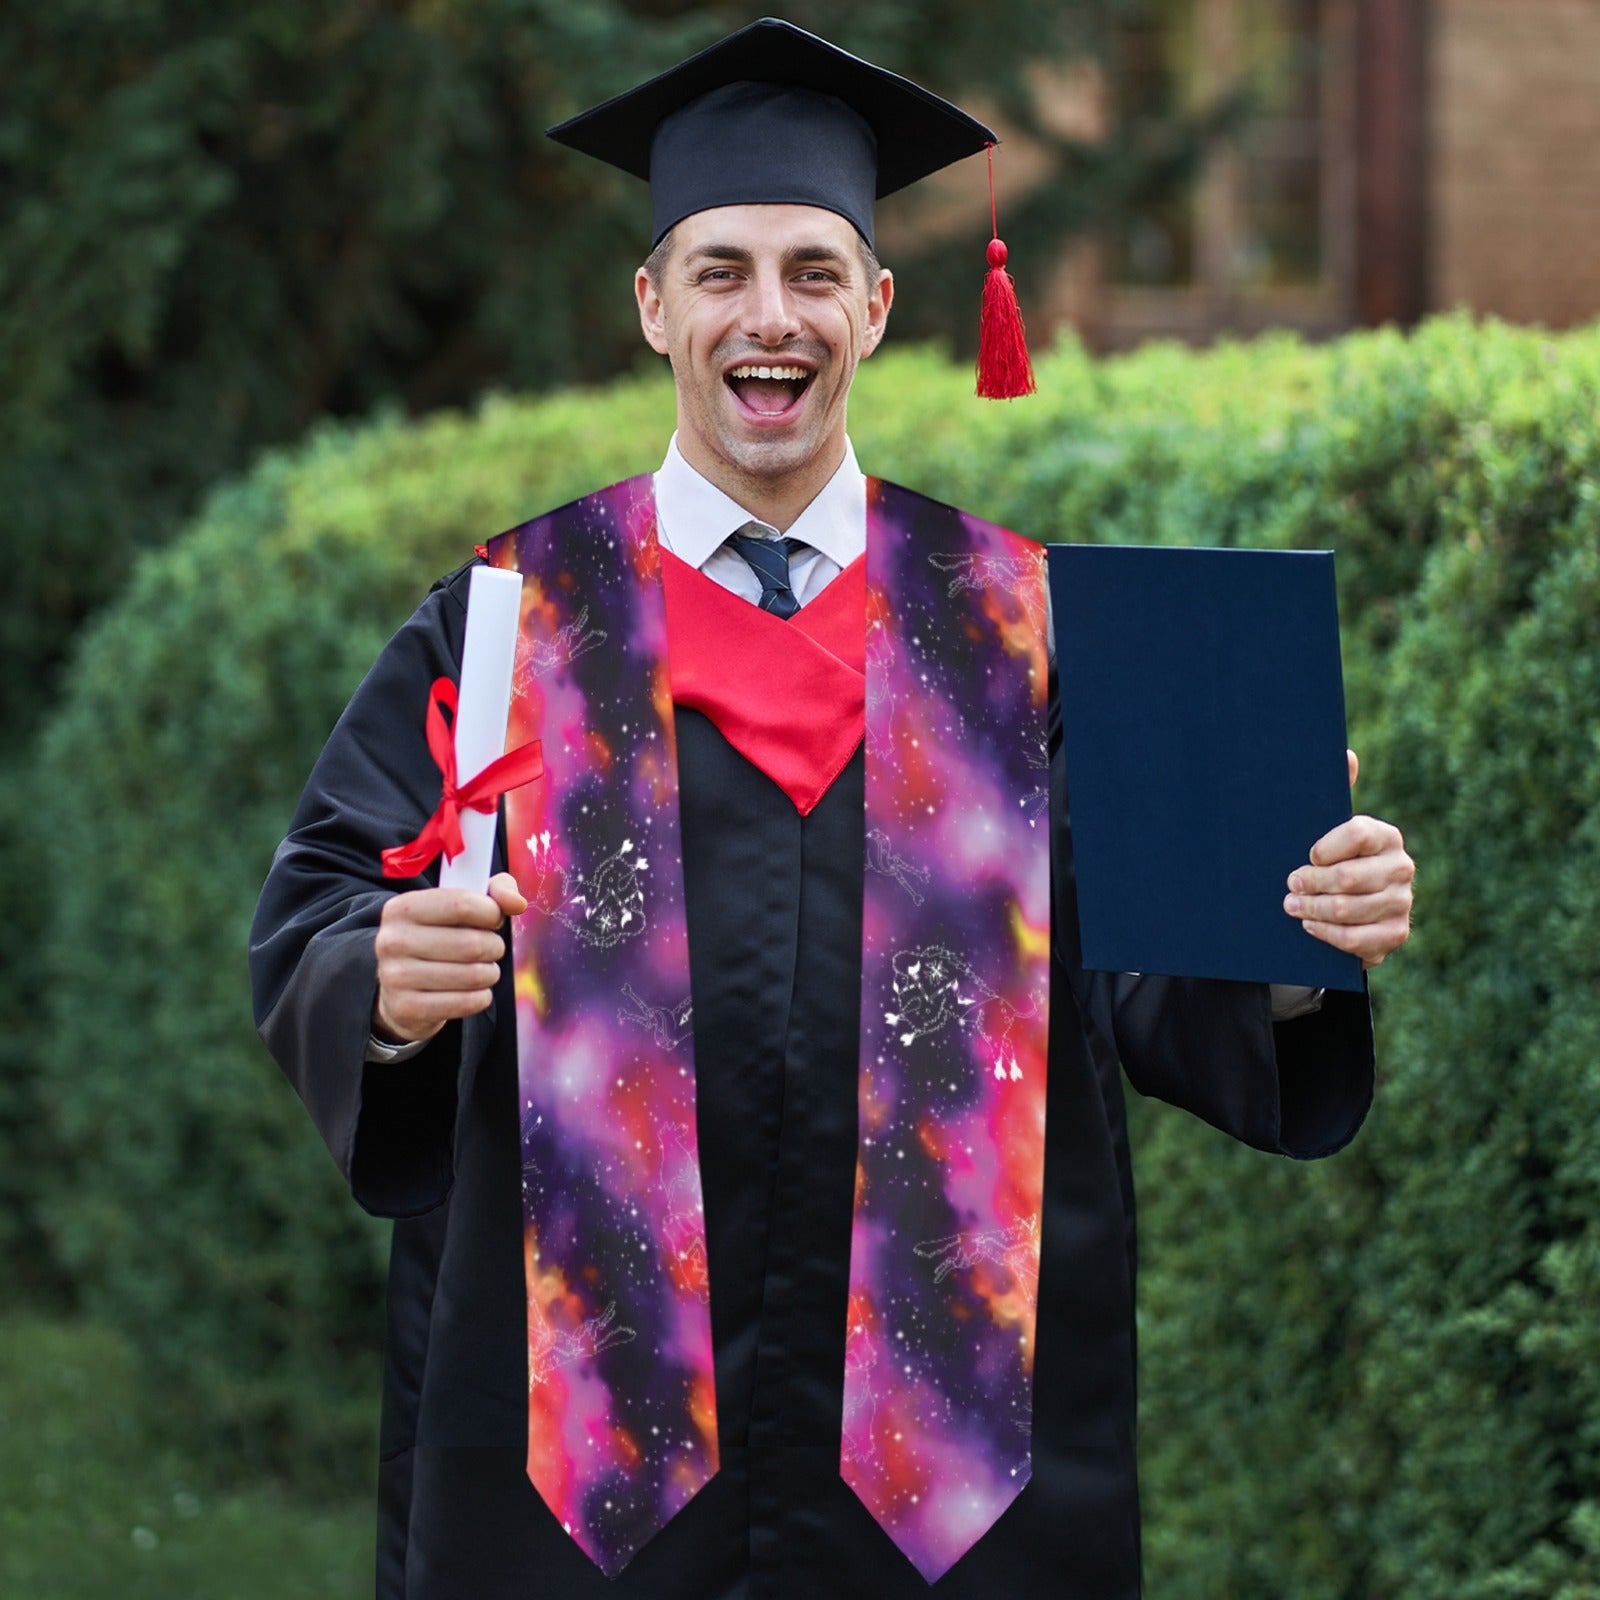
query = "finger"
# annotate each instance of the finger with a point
(504, 892)
(1371, 941)
(399, 976)
(1391, 902)
(449, 908)
(1358, 875)
(426, 941)
(1360, 836)
(416, 1015)
(1353, 761)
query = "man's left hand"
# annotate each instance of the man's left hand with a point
(1355, 893)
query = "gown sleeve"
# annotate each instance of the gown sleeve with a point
(1299, 1088)
(313, 965)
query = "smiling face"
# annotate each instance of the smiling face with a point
(764, 311)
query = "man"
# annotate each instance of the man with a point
(846, 1306)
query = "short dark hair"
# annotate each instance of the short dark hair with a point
(655, 264)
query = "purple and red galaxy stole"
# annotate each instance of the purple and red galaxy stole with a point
(935, 1436)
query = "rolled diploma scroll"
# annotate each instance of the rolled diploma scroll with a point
(494, 604)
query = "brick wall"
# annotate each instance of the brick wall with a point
(1514, 158)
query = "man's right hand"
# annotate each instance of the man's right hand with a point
(438, 957)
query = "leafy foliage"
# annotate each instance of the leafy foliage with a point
(96, 1500)
(191, 1210)
(1374, 1377)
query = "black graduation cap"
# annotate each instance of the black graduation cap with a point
(774, 115)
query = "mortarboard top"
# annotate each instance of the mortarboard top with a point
(774, 115)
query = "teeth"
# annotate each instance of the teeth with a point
(798, 374)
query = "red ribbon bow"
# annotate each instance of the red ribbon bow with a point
(442, 831)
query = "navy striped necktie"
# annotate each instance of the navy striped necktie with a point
(769, 560)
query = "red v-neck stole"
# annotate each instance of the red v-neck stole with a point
(789, 696)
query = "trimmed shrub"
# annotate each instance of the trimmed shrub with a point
(1376, 1377)
(193, 1205)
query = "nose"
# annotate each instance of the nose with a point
(771, 317)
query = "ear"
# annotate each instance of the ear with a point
(652, 314)
(879, 299)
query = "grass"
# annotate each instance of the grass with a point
(93, 1504)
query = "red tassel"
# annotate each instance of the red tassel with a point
(1004, 370)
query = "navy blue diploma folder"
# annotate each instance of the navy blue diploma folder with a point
(1202, 711)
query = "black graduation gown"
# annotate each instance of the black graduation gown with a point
(774, 912)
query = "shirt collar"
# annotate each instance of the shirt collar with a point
(694, 517)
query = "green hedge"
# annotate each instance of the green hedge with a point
(1374, 1377)
(192, 1203)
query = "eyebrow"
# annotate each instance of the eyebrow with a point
(738, 255)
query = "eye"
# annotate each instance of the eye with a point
(718, 275)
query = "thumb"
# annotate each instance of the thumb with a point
(504, 892)
(1354, 762)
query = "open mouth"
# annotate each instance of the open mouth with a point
(769, 391)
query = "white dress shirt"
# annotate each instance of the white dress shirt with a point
(693, 520)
